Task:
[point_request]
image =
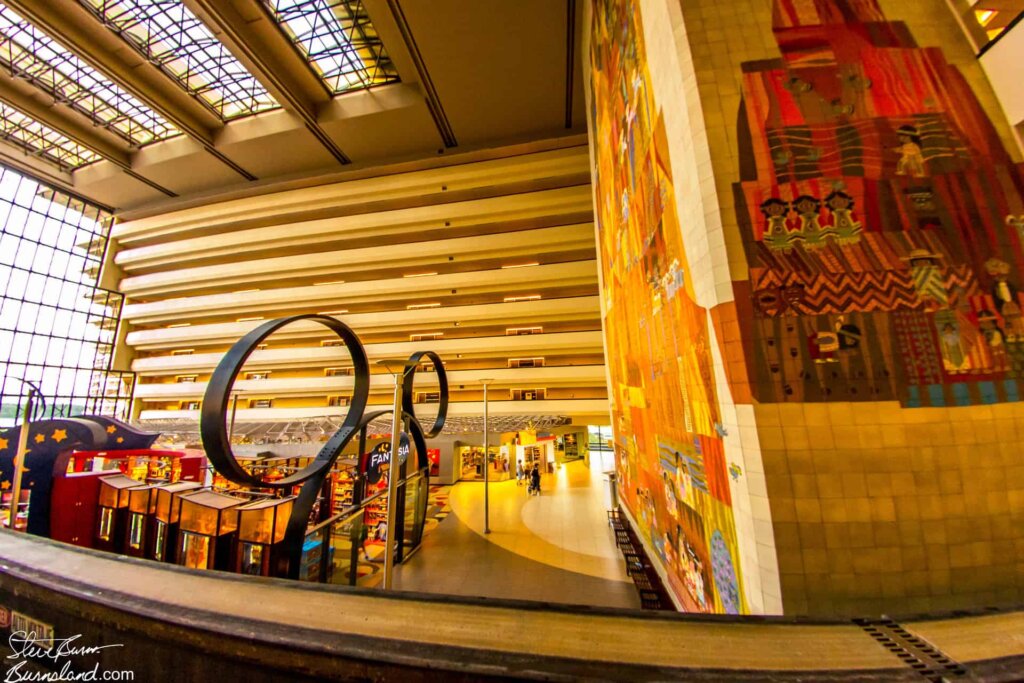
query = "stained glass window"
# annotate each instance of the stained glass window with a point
(985, 21)
(173, 39)
(28, 53)
(995, 16)
(338, 39)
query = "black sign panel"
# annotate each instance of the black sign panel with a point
(378, 460)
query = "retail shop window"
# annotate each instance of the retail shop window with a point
(185, 379)
(257, 375)
(338, 372)
(182, 352)
(529, 394)
(526, 362)
(338, 401)
(261, 403)
(986, 21)
(332, 342)
(515, 331)
(428, 397)
(191, 405)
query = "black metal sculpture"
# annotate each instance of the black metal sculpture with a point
(217, 443)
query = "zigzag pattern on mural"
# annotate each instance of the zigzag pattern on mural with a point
(826, 293)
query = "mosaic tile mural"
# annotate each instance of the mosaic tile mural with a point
(669, 451)
(882, 220)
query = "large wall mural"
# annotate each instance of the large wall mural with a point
(881, 217)
(669, 451)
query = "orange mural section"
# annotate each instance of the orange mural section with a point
(670, 457)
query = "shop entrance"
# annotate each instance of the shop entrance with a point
(471, 463)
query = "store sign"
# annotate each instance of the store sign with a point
(379, 458)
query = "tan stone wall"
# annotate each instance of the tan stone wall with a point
(879, 509)
(874, 508)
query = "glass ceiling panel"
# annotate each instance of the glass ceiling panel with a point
(28, 53)
(172, 38)
(43, 141)
(338, 40)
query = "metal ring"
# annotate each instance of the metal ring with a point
(407, 393)
(212, 422)
(216, 441)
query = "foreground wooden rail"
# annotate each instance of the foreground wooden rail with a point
(178, 624)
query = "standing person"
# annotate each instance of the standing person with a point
(520, 473)
(364, 535)
(535, 480)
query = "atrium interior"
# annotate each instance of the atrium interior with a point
(696, 329)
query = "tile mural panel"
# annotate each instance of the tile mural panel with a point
(882, 220)
(670, 457)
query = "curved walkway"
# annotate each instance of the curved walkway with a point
(556, 547)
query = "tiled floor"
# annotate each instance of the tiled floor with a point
(556, 547)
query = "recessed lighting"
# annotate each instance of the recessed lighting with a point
(430, 305)
(329, 282)
(521, 265)
(531, 297)
(419, 274)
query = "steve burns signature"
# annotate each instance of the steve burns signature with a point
(28, 645)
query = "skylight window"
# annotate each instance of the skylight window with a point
(43, 141)
(28, 53)
(338, 40)
(173, 39)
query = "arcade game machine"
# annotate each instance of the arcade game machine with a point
(112, 518)
(207, 530)
(141, 506)
(261, 529)
(164, 538)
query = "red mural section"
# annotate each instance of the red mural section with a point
(882, 220)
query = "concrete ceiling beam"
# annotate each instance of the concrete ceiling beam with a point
(254, 38)
(77, 30)
(42, 107)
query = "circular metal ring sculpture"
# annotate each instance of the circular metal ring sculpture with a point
(217, 443)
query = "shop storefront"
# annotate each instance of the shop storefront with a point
(471, 463)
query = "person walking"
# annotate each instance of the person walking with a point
(364, 535)
(535, 481)
(520, 473)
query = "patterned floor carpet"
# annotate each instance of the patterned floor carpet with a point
(370, 572)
